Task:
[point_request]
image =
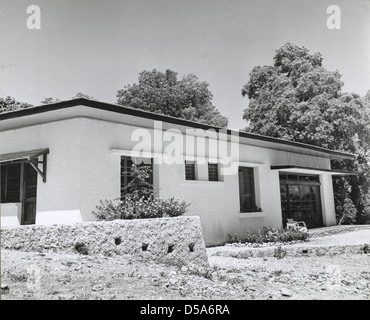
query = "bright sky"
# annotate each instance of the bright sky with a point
(98, 47)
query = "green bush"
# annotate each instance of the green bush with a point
(132, 208)
(108, 210)
(139, 202)
(270, 235)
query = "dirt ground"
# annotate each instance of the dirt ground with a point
(29, 276)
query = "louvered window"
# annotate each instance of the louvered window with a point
(190, 170)
(212, 171)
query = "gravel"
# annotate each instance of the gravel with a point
(53, 276)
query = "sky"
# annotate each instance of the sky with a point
(98, 47)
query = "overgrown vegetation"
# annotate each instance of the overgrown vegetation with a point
(268, 235)
(298, 99)
(139, 202)
(131, 208)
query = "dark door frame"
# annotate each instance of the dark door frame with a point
(24, 197)
(286, 183)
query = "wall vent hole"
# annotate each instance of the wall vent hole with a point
(144, 246)
(191, 247)
(117, 241)
(170, 248)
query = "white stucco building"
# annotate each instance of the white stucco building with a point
(59, 160)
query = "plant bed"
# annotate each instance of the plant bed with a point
(139, 201)
(268, 237)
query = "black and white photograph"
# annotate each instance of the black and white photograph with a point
(198, 151)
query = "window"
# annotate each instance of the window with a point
(10, 183)
(126, 178)
(294, 178)
(246, 190)
(189, 170)
(212, 171)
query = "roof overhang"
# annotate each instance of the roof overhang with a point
(307, 170)
(22, 156)
(31, 157)
(116, 113)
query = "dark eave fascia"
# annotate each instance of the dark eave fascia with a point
(331, 171)
(159, 117)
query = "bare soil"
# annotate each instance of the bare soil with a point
(30, 275)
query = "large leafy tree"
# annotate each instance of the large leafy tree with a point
(297, 98)
(10, 104)
(164, 93)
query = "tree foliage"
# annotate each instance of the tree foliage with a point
(82, 95)
(139, 186)
(10, 104)
(78, 95)
(50, 100)
(164, 93)
(297, 98)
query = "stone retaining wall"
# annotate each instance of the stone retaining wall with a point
(170, 240)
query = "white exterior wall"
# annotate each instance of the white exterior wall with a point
(82, 169)
(327, 200)
(11, 214)
(60, 195)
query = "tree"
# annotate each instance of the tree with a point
(139, 186)
(50, 100)
(10, 104)
(82, 95)
(78, 95)
(297, 99)
(163, 93)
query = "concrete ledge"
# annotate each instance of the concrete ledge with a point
(246, 215)
(170, 240)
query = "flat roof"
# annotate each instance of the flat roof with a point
(160, 117)
(308, 170)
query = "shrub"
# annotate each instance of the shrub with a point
(108, 210)
(270, 235)
(139, 202)
(132, 208)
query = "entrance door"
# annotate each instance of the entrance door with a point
(300, 199)
(29, 195)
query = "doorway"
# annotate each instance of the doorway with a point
(300, 199)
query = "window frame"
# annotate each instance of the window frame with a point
(125, 177)
(252, 194)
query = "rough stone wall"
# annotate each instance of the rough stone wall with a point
(169, 240)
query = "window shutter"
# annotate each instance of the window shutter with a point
(189, 170)
(212, 171)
